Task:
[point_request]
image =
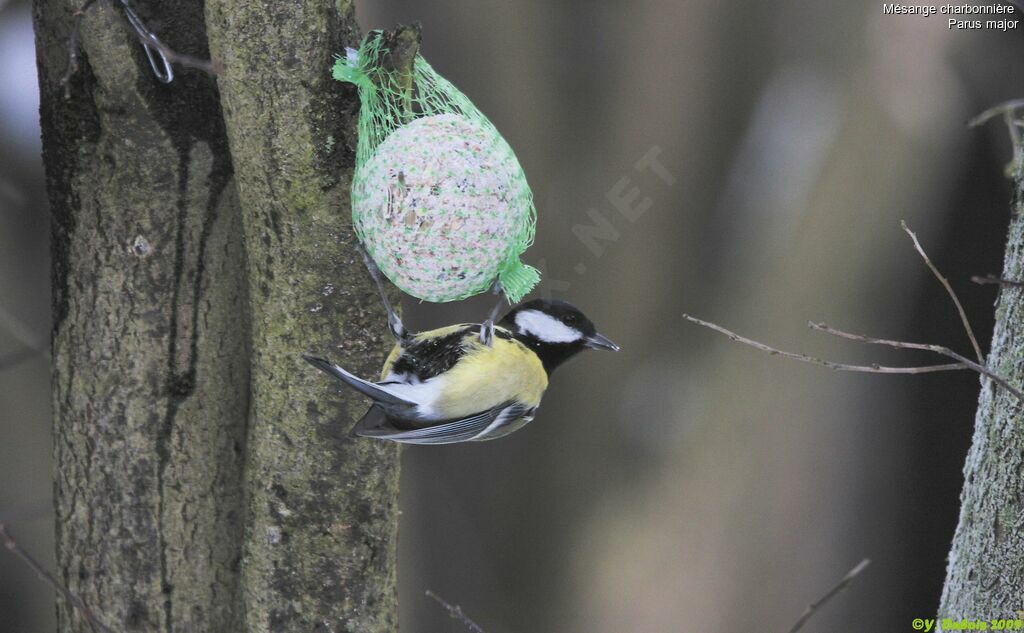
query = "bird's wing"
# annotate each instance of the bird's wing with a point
(475, 427)
(380, 394)
(430, 354)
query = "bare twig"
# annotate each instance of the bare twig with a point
(1007, 106)
(871, 369)
(999, 281)
(842, 584)
(937, 349)
(1012, 125)
(949, 291)
(964, 362)
(455, 611)
(1008, 110)
(8, 542)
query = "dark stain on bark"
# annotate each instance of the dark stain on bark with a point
(334, 126)
(70, 125)
(189, 111)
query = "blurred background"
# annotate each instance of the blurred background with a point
(768, 152)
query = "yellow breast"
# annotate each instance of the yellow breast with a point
(486, 376)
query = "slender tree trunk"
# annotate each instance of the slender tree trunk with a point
(985, 575)
(320, 542)
(204, 478)
(150, 376)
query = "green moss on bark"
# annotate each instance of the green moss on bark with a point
(205, 477)
(321, 506)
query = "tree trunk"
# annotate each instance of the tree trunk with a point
(320, 542)
(985, 575)
(204, 478)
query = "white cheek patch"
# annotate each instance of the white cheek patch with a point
(546, 328)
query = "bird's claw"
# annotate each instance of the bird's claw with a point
(487, 332)
(487, 327)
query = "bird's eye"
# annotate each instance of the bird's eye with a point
(569, 319)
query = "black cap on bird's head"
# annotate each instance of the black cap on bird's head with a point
(554, 330)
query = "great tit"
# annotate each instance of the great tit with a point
(468, 382)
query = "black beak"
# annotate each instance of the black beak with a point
(600, 341)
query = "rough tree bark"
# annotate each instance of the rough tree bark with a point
(320, 542)
(204, 480)
(985, 575)
(150, 369)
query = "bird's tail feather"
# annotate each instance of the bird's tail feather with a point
(377, 393)
(374, 423)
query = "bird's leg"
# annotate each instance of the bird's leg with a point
(487, 327)
(394, 321)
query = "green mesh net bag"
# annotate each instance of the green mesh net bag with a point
(438, 198)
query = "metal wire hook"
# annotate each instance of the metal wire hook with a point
(151, 43)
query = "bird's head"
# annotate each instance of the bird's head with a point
(554, 330)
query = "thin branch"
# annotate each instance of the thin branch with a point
(871, 369)
(455, 611)
(949, 290)
(1007, 106)
(937, 349)
(964, 362)
(842, 584)
(1008, 111)
(999, 281)
(8, 542)
(1012, 125)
